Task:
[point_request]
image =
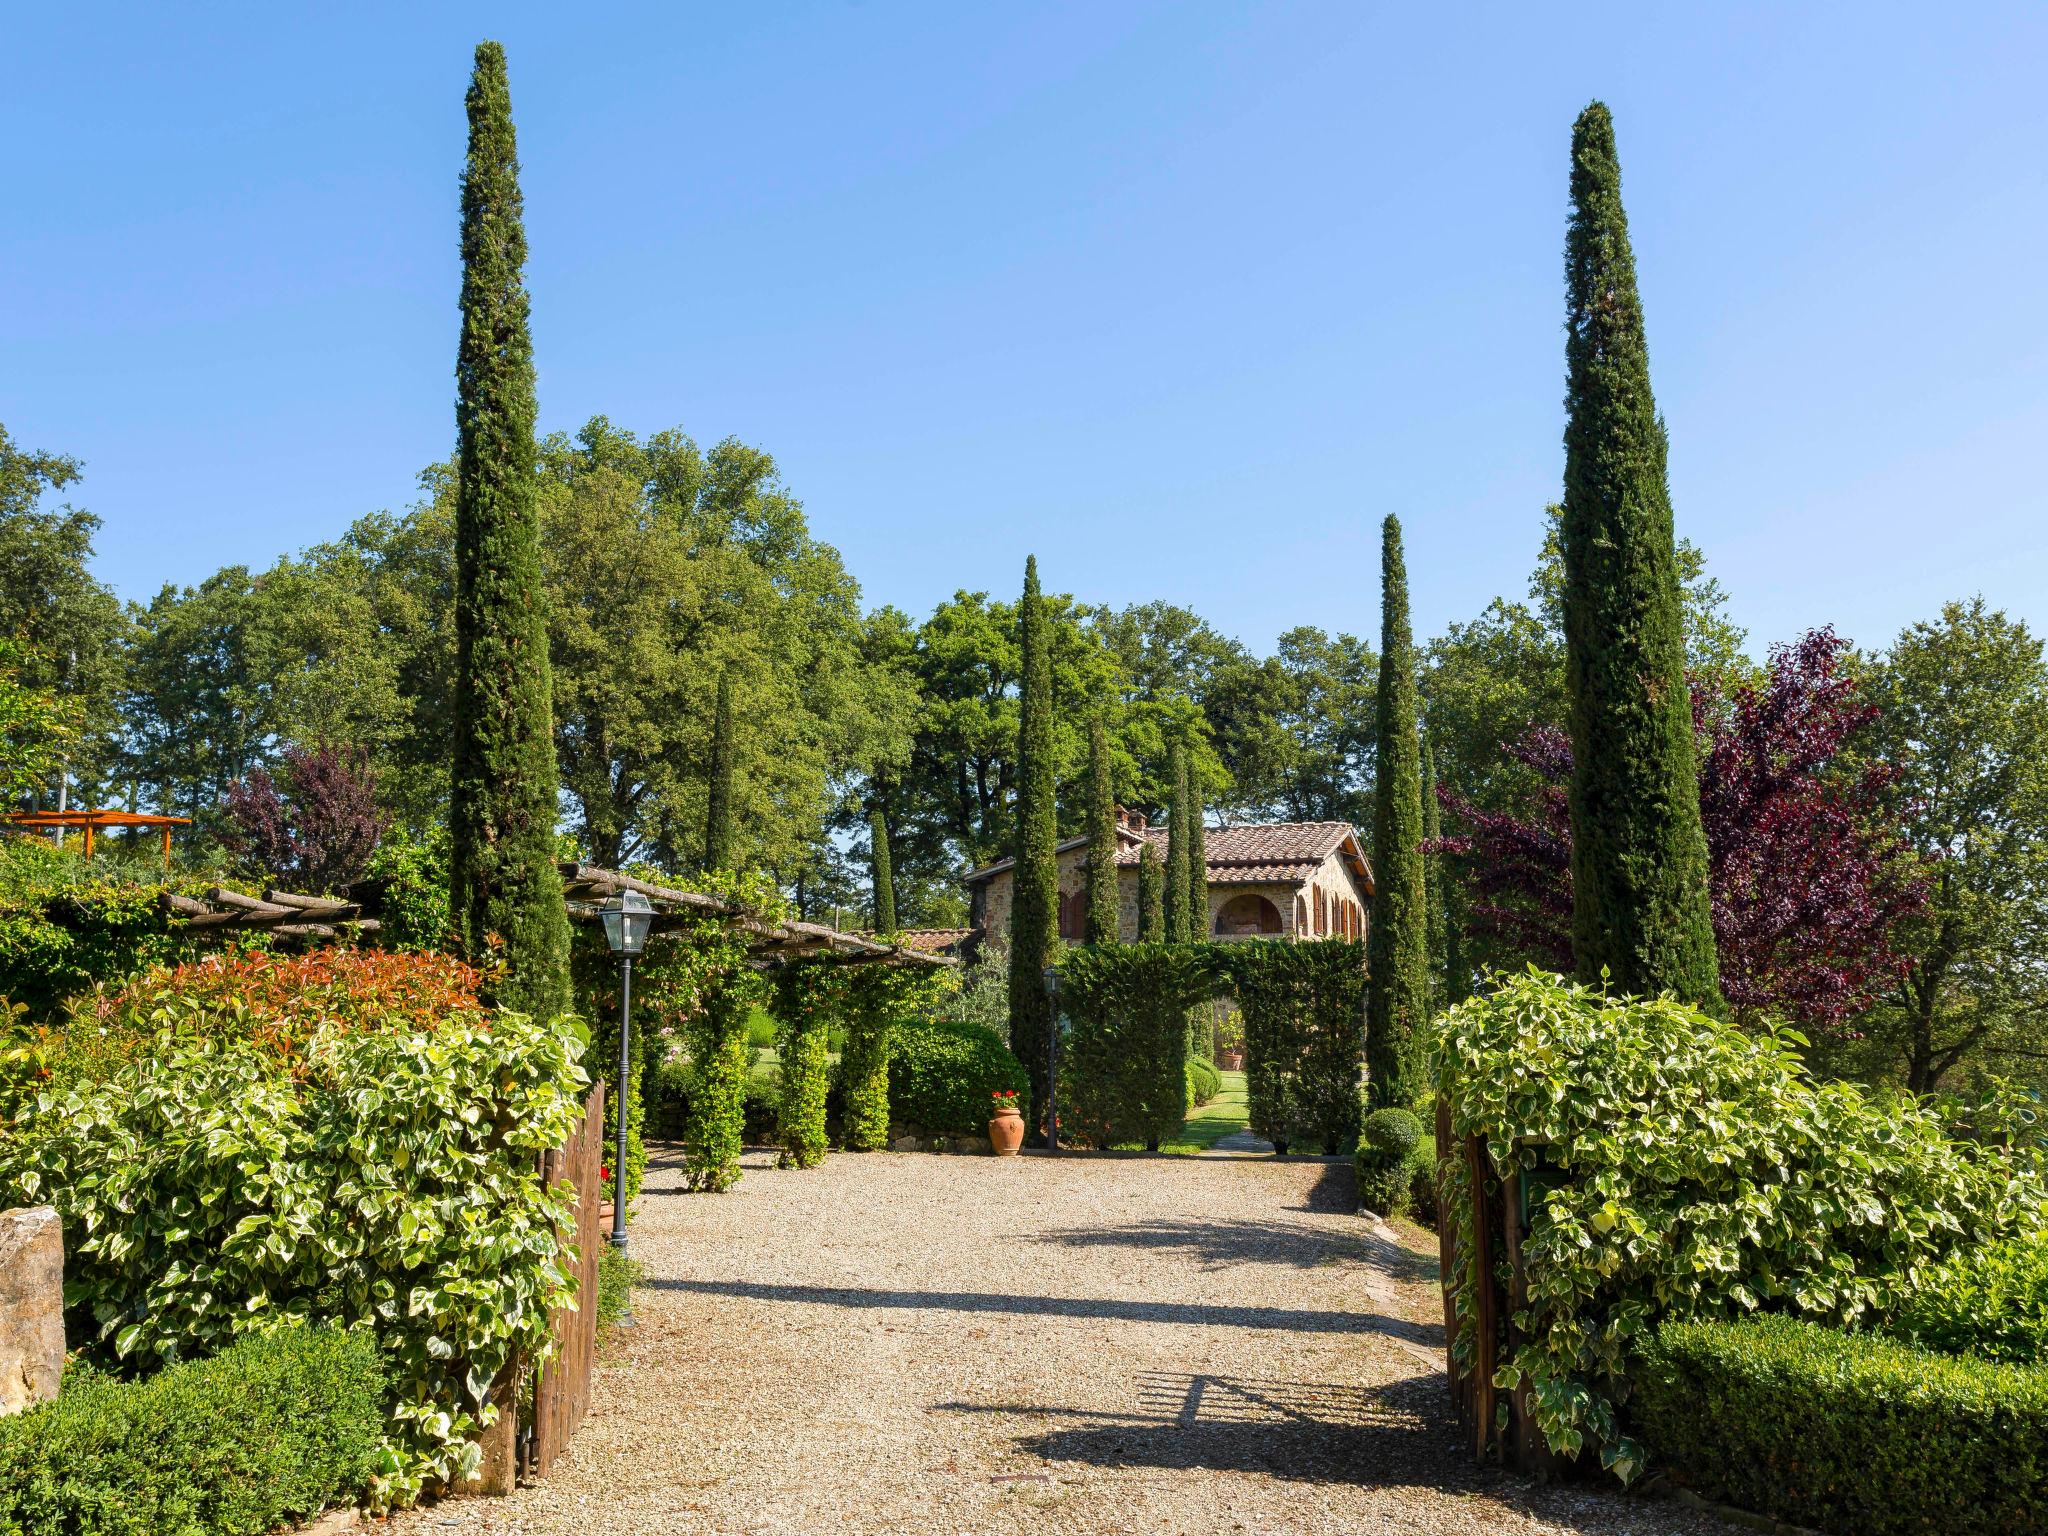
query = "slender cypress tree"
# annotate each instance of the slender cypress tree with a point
(1198, 862)
(1151, 896)
(1177, 916)
(505, 891)
(1397, 989)
(1034, 884)
(1433, 894)
(1102, 887)
(718, 791)
(1639, 857)
(878, 861)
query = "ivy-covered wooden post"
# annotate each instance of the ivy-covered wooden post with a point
(714, 1127)
(805, 993)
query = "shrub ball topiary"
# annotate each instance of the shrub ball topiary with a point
(1391, 1134)
(941, 1075)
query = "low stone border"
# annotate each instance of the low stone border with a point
(968, 1146)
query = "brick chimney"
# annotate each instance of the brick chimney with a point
(1137, 821)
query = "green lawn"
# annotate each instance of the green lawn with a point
(1216, 1119)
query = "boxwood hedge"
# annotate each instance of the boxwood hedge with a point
(1845, 1431)
(941, 1074)
(274, 1428)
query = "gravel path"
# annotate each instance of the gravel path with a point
(1086, 1345)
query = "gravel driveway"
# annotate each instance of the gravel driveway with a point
(1088, 1344)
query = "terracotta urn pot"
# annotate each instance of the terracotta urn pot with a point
(1006, 1133)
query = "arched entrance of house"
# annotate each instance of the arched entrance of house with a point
(1247, 915)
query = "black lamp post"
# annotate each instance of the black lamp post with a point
(1052, 1059)
(626, 924)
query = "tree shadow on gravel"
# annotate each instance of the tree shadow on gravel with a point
(1401, 1435)
(1295, 1319)
(1217, 1243)
(1397, 1435)
(1335, 1191)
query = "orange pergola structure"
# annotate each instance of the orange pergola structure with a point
(90, 821)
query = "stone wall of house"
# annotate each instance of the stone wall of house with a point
(1334, 879)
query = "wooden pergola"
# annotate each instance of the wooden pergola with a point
(585, 889)
(91, 821)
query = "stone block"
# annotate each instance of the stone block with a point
(31, 1306)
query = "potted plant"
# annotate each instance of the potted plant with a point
(1006, 1129)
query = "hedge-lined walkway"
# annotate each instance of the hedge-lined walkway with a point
(912, 1343)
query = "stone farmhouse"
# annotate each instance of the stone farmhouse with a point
(1293, 880)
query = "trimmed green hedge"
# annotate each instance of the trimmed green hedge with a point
(1124, 1061)
(1845, 1431)
(942, 1073)
(1204, 1081)
(274, 1428)
(1304, 1035)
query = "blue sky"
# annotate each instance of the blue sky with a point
(1184, 298)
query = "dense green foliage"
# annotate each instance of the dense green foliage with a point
(67, 926)
(1989, 1299)
(1124, 1057)
(714, 1124)
(1386, 1153)
(1845, 1431)
(718, 781)
(347, 1151)
(1104, 902)
(1436, 896)
(1685, 1168)
(1639, 856)
(1034, 886)
(1964, 713)
(1397, 992)
(1304, 1030)
(1204, 1081)
(1198, 862)
(273, 1429)
(941, 1076)
(505, 893)
(804, 1005)
(875, 1001)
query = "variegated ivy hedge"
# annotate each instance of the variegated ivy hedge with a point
(1696, 1171)
(378, 1172)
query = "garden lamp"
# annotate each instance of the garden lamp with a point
(627, 921)
(1051, 975)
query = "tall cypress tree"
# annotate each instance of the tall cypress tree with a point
(878, 862)
(1198, 861)
(1433, 893)
(505, 891)
(1639, 858)
(1102, 888)
(1397, 988)
(1151, 896)
(1177, 916)
(718, 790)
(1034, 884)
